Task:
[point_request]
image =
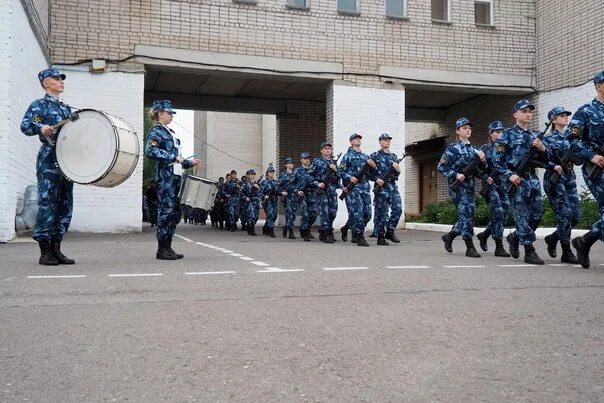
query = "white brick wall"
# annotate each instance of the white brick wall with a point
(369, 112)
(20, 61)
(117, 209)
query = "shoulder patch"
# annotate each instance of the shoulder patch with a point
(37, 118)
(443, 160)
(575, 130)
(500, 148)
(154, 143)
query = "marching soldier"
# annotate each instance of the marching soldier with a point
(561, 188)
(270, 200)
(456, 160)
(325, 174)
(511, 149)
(587, 132)
(232, 189)
(163, 147)
(243, 205)
(251, 195)
(388, 206)
(305, 185)
(55, 193)
(288, 192)
(496, 195)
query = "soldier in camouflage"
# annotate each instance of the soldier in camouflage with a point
(251, 194)
(231, 191)
(270, 201)
(164, 147)
(306, 186)
(287, 189)
(325, 174)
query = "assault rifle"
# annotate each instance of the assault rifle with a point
(468, 171)
(486, 186)
(330, 175)
(254, 188)
(594, 171)
(528, 160)
(392, 174)
(271, 193)
(358, 175)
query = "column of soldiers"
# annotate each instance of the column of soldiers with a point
(311, 189)
(507, 165)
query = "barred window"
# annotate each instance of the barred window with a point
(396, 8)
(483, 12)
(348, 6)
(440, 10)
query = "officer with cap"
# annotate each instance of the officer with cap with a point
(388, 206)
(305, 188)
(251, 193)
(562, 191)
(231, 192)
(243, 205)
(357, 169)
(586, 130)
(287, 189)
(325, 173)
(269, 193)
(452, 164)
(496, 195)
(163, 147)
(55, 193)
(510, 150)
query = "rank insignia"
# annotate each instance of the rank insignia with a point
(443, 160)
(575, 130)
(154, 143)
(37, 119)
(500, 148)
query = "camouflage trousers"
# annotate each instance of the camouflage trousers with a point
(358, 204)
(291, 205)
(169, 212)
(465, 201)
(232, 209)
(499, 207)
(388, 209)
(55, 203)
(270, 209)
(564, 199)
(328, 203)
(308, 210)
(243, 209)
(252, 211)
(597, 190)
(528, 209)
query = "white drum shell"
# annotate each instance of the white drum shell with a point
(198, 192)
(97, 149)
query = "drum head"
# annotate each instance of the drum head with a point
(86, 148)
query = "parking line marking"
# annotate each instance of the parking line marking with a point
(407, 267)
(66, 276)
(226, 251)
(345, 268)
(462, 267)
(236, 254)
(136, 275)
(195, 273)
(277, 270)
(257, 263)
(516, 265)
(246, 258)
(558, 264)
(184, 238)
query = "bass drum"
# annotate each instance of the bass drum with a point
(97, 149)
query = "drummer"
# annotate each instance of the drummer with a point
(55, 193)
(163, 147)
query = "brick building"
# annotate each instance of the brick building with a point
(325, 69)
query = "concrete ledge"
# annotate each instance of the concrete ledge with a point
(540, 233)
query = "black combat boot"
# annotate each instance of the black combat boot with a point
(163, 251)
(233, 228)
(310, 235)
(321, 235)
(567, 254)
(47, 258)
(169, 245)
(291, 233)
(271, 232)
(514, 244)
(374, 234)
(264, 229)
(284, 231)
(381, 240)
(583, 244)
(344, 231)
(530, 255)
(251, 230)
(328, 237)
(353, 238)
(470, 249)
(390, 235)
(552, 242)
(483, 237)
(500, 250)
(361, 240)
(304, 233)
(448, 240)
(56, 250)
(243, 227)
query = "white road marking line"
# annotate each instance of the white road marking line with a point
(277, 270)
(206, 245)
(345, 268)
(516, 265)
(136, 275)
(407, 267)
(71, 276)
(226, 251)
(184, 238)
(462, 267)
(246, 258)
(558, 264)
(257, 263)
(195, 273)
(236, 254)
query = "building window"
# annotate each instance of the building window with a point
(348, 6)
(483, 12)
(440, 10)
(396, 8)
(296, 3)
(246, 1)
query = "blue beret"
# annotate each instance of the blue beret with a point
(599, 78)
(523, 103)
(324, 144)
(496, 125)
(50, 73)
(557, 110)
(163, 105)
(385, 136)
(289, 160)
(354, 136)
(304, 155)
(462, 122)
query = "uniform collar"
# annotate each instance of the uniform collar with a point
(51, 98)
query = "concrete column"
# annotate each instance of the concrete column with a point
(369, 112)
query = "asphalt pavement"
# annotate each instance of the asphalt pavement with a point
(245, 318)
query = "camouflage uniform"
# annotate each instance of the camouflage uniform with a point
(286, 184)
(388, 206)
(304, 180)
(327, 197)
(231, 190)
(250, 190)
(497, 197)
(269, 188)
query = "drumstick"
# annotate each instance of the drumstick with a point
(188, 158)
(55, 128)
